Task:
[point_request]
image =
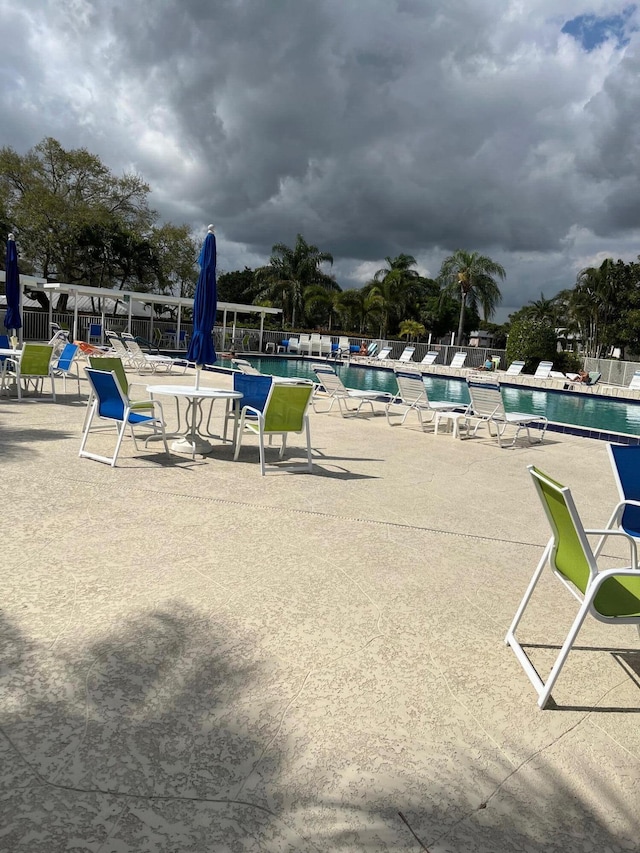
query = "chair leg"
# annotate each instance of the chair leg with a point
(308, 432)
(261, 440)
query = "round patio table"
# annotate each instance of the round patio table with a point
(193, 441)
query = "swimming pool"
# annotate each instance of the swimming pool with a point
(572, 412)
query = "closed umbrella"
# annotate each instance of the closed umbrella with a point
(201, 349)
(12, 318)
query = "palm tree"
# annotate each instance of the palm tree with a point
(411, 329)
(358, 309)
(290, 272)
(471, 278)
(543, 309)
(395, 286)
(319, 296)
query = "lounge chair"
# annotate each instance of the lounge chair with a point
(145, 361)
(488, 407)
(304, 345)
(120, 349)
(430, 358)
(543, 370)
(326, 345)
(293, 345)
(284, 412)
(634, 385)
(407, 354)
(315, 345)
(412, 396)
(383, 355)
(611, 596)
(457, 362)
(111, 403)
(331, 384)
(515, 368)
(245, 366)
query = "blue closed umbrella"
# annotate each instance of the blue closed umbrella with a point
(201, 349)
(12, 319)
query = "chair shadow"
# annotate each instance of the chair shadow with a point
(627, 659)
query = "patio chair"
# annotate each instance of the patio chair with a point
(488, 407)
(146, 361)
(254, 388)
(315, 345)
(430, 358)
(543, 370)
(326, 345)
(293, 345)
(32, 366)
(94, 333)
(331, 384)
(407, 354)
(458, 360)
(245, 366)
(515, 368)
(285, 411)
(120, 349)
(304, 345)
(114, 364)
(111, 403)
(382, 355)
(67, 365)
(412, 396)
(611, 596)
(634, 385)
(625, 464)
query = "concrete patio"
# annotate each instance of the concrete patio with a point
(195, 658)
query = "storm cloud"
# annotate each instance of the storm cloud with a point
(372, 128)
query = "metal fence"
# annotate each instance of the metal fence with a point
(614, 371)
(36, 328)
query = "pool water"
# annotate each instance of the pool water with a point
(585, 411)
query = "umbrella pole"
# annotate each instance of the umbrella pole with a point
(198, 369)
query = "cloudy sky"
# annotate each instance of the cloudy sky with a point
(372, 127)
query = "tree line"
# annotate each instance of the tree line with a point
(77, 222)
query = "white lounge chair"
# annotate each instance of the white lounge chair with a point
(293, 345)
(245, 366)
(634, 385)
(487, 406)
(412, 396)
(325, 345)
(304, 345)
(515, 368)
(458, 360)
(146, 361)
(315, 345)
(407, 354)
(383, 355)
(543, 370)
(331, 385)
(430, 358)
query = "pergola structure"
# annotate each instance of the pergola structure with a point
(130, 298)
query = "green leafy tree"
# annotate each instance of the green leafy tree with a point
(321, 304)
(53, 196)
(531, 341)
(238, 286)
(176, 253)
(471, 278)
(289, 272)
(358, 310)
(396, 287)
(411, 330)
